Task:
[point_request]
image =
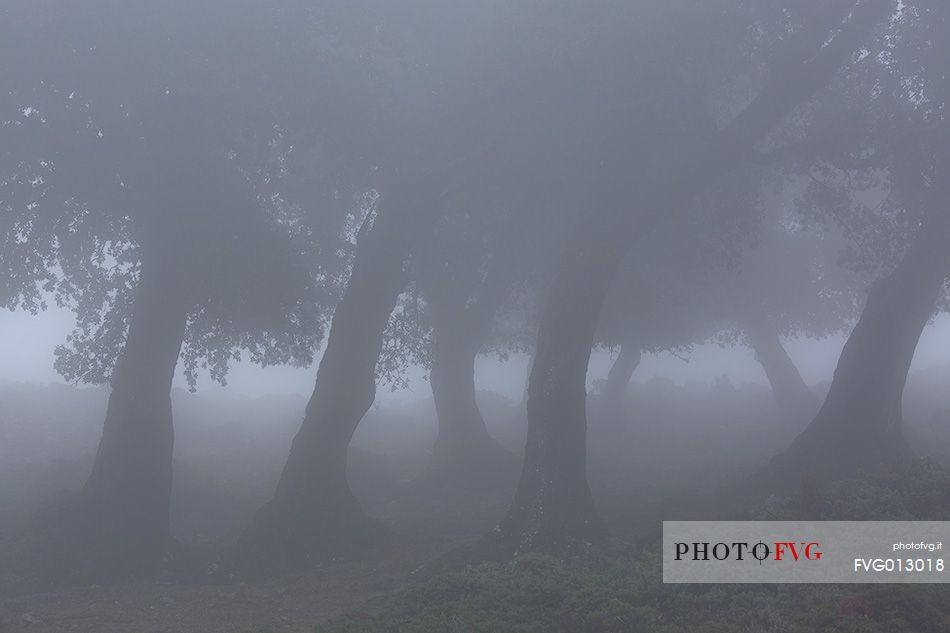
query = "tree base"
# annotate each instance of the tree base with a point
(562, 526)
(283, 540)
(823, 454)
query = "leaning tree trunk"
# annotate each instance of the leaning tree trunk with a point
(464, 454)
(553, 507)
(313, 514)
(796, 403)
(125, 502)
(614, 396)
(859, 424)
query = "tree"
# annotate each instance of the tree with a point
(553, 506)
(419, 140)
(758, 273)
(139, 181)
(440, 140)
(668, 294)
(466, 271)
(789, 283)
(313, 511)
(474, 272)
(859, 423)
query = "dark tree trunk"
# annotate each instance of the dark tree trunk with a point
(859, 424)
(125, 502)
(462, 307)
(313, 514)
(796, 403)
(618, 379)
(553, 507)
(464, 454)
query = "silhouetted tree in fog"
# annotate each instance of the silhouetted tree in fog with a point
(140, 178)
(553, 507)
(902, 149)
(462, 296)
(660, 301)
(420, 148)
(204, 182)
(441, 140)
(789, 282)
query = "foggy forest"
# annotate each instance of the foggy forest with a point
(424, 316)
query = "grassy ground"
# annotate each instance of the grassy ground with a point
(615, 591)
(679, 447)
(624, 593)
(538, 594)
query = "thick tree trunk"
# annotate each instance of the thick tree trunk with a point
(553, 507)
(614, 396)
(859, 424)
(125, 502)
(464, 454)
(313, 513)
(797, 404)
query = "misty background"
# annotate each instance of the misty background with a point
(361, 317)
(27, 343)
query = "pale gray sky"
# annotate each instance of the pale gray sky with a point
(27, 343)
